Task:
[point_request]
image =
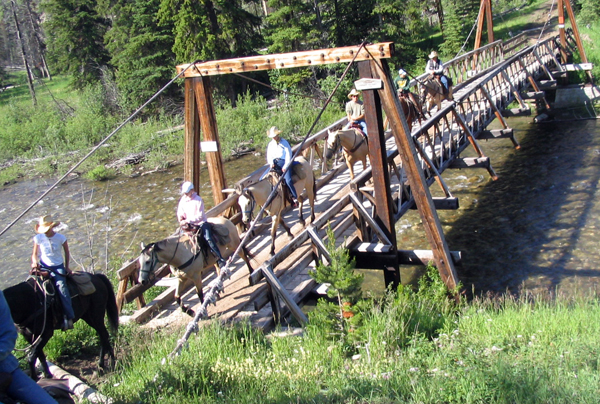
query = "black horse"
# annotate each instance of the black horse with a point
(35, 320)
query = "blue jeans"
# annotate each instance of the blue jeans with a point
(361, 123)
(444, 81)
(58, 275)
(206, 231)
(23, 388)
(287, 176)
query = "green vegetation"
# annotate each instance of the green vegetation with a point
(410, 347)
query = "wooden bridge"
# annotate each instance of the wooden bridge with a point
(486, 82)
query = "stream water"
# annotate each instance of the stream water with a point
(534, 228)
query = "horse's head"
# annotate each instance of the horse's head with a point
(247, 203)
(147, 260)
(333, 143)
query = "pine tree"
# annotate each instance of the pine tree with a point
(345, 283)
(75, 33)
(141, 52)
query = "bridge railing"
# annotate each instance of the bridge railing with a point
(439, 142)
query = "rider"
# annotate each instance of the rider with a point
(403, 87)
(355, 111)
(191, 217)
(21, 387)
(435, 67)
(47, 257)
(279, 157)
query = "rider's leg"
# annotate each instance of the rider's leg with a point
(444, 81)
(363, 126)
(24, 389)
(287, 177)
(206, 230)
(60, 280)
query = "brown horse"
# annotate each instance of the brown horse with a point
(354, 145)
(257, 194)
(189, 261)
(432, 93)
(412, 109)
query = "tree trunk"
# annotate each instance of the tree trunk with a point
(39, 42)
(29, 76)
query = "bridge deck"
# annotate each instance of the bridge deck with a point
(480, 98)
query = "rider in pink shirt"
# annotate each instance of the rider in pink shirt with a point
(191, 216)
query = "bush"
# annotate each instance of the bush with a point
(100, 173)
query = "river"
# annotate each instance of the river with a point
(534, 228)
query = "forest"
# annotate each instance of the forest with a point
(72, 70)
(131, 47)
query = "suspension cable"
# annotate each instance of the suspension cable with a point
(95, 149)
(217, 284)
(546, 23)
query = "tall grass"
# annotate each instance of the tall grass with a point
(59, 131)
(410, 347)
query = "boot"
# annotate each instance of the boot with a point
(67, 324)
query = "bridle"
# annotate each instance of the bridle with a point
(154, 260)
(249, 212)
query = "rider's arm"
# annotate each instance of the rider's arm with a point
(271, 151)
(349, 111)
(287, 153)
(67, 257)
(34, 255)
(362, 113)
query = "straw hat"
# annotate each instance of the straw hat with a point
(186, 187)
(274, 131)
(353, 92)
(45, 223)
(433, 54)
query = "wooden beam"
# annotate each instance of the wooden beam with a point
(443, 203)
(281, 291)
(470, 162)
(496, 134)
(208, 121)
(516, 112)
(533, 95)
(289, 60)
(191, 152)
(416, 177)
(423, 257)
(578, 67)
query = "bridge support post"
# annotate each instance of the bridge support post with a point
(384, 214)
(416, 178)
(200, 115)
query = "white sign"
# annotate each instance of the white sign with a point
(209, 146)
(368, 84)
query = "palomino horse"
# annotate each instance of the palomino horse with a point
(432, 93)
(187, 260)
(412, 110)
(258, 193)
(32, 312)
(354, 146)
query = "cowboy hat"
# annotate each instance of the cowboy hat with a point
(402, 72)
(45, 223)
(353, 92)
(274, 131)
(433, 54)
(186, 187)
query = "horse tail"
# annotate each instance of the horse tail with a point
(112, 311)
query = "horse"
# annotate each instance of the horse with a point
(354, 146)
(258, 193)
(412, 109)
(32, 312)
(432, 93)
(187, 260)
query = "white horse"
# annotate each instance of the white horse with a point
(432, 93)
(187, 260)
(257, 194)
(354, 146)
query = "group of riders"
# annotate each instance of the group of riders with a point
(50, 257)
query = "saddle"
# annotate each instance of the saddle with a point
(359, 130)
(219, 231)
(297, 175)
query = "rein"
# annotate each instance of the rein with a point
(34, 315)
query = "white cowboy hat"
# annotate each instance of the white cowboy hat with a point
(186, 187)
(402, 72)
(45, 223)
(433, 54)
(273, 131)
(353, 92)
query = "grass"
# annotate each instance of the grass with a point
(410, 347)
